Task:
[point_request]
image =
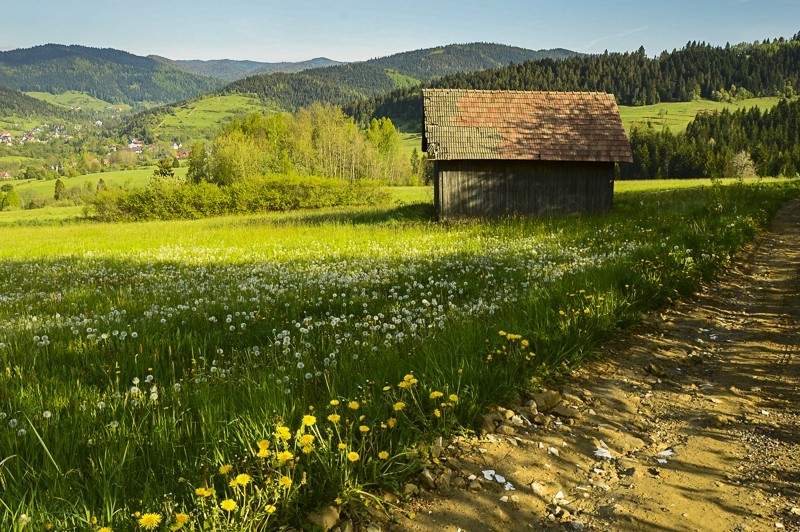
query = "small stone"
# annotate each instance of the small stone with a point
(346, 526)
(443, 482)
(718, 421)
(325, 518)
(607, 511)
(508, 414)
(554, 451)
(576, 525)
(504, 498)
(459, 483)
(436, 450)
(541, 419)
(488, 424)
(427, 480)
(539, 489)
(655, 369)
(410, 489)
(795, 511)
(566, 412)
(475, 485)
(374, 527)
(547, 399)
(508, 430)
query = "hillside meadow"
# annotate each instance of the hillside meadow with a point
(235, 373)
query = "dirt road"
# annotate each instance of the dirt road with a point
(692, 422)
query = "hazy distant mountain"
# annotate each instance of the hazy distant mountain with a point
(231, 69)
(108, 74)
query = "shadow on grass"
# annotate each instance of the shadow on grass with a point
(413, 212)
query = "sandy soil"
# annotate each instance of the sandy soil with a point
(691, 422)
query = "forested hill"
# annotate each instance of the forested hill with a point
(695, 71)
(107, 74)
(16, 103)
(458, 58)
(230, 69)
(379, 76)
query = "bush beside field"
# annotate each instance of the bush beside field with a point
(257, 195)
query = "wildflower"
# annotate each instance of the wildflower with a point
(437, 412)
(204, 492)
(501, 333)
(23, 520)
(46, 414)
(307, 449)
(102, 529)
(436, 395)
(150, 521)
(225, 469)
(399, 405)
(391, 422)
(387, 388)
(270, 509)
(181, 518)
(309, 421)
(334, 402)
(285, 482)
(263, 453)
(228, 505)
(243, 479)
(353, 405)
(283, 433)
(307, 440)
(383, 455)
(263, 444)
(334, 418)
(353, 456)
(453, 398)
(342, 446)
(284, 456)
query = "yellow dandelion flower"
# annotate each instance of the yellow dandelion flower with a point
(284, 456)
(306, 440)
(243, 479)
(342, 446)
(353, 405)
(501, 333)
(309, 421)
(181, 518)
(263, 444)
(103, 529)
(383, 455)
(436, 395)
(233, 483)
(334, 402)
(391, 422)
(408, 377)
(285, 482)
(353, 456)
(363, 428)
(387, 388)
(228, 505)
(263, 453)
(270, 509)
(283, 433)
(204, 492)
(404, 384)
(150, 521)
(562, 313)
(453, 398)
(399, 405)
(525, 343)
(437, 412)
(334, 418)
(307, 449)
(225, 469)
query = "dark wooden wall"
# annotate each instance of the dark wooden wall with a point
(496, 188)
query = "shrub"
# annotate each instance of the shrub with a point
(263, 194)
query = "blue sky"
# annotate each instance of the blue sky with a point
(352, 30)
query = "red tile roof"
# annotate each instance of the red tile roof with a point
(523, 125)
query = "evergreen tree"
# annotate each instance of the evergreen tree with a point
(60, 190)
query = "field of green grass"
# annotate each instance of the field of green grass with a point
(238, 372)
(74, 99)
(677, 115)
(201, 119)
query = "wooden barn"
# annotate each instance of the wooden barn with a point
(518, 152)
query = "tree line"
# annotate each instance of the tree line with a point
(721, 144)
(698, 70)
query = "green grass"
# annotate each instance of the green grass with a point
(44, 216)
(29, 189)
(138, 358)
(677, 115)
(201, 119)
(73, 99)
(676, 184)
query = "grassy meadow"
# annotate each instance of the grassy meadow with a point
(235, 373)
(677, 115)
(75, 99)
